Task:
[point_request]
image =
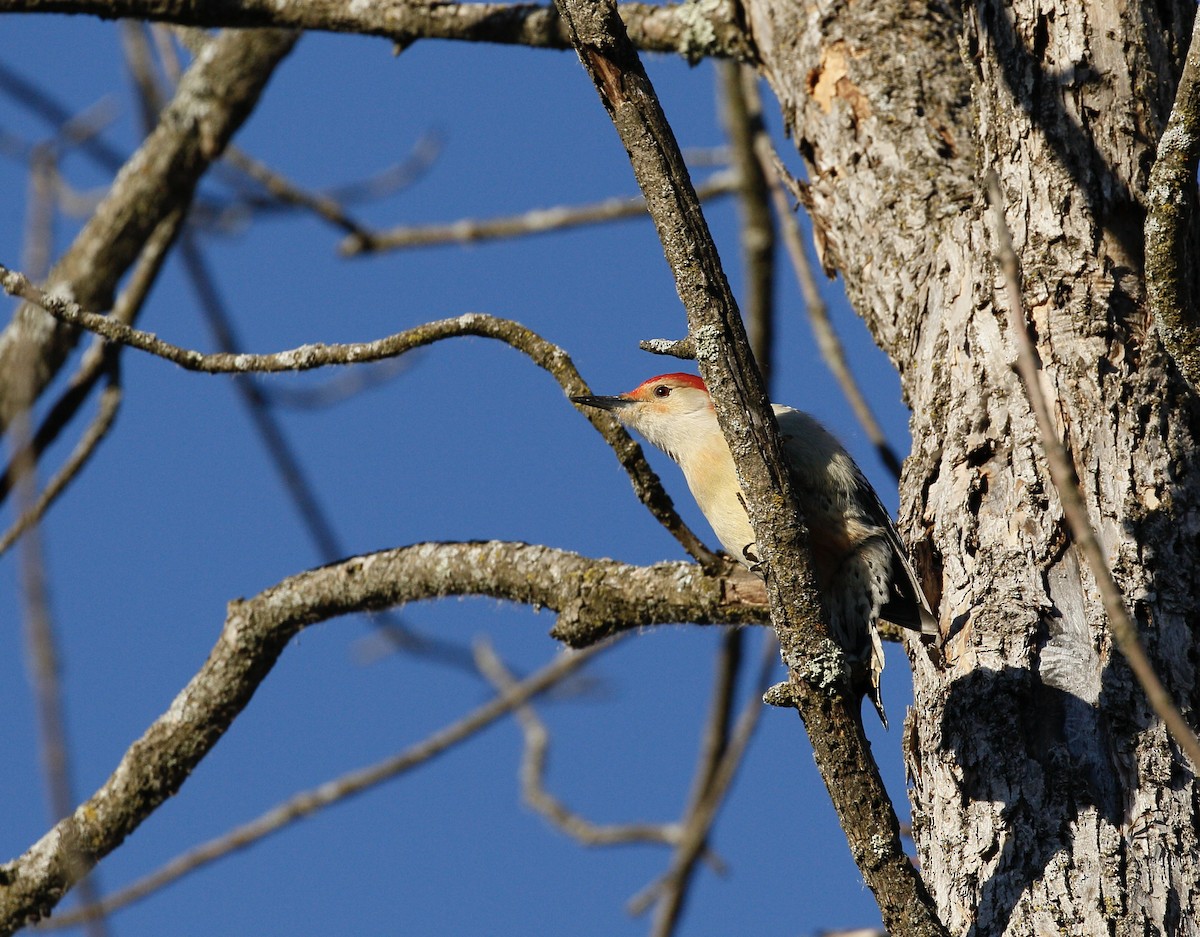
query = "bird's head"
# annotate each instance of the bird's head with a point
(669, 410)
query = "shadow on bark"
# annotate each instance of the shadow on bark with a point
(1044, 756)
(1040, 93)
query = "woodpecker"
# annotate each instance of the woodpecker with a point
(859, 563)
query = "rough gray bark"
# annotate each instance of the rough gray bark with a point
(1046, 798)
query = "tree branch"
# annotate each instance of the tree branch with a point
(816, 666)
(537, 221)
(671, 889)
(594, 598)
(828, 343)
(741, 110)
(544, 354)
(533, 769)
(216, 94)
(1172, 275)
(306, 803)
(694, 30)
(106, 415)
(96, 360)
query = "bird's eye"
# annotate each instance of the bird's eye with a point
(662, 390)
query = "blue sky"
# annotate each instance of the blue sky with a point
(181, 511)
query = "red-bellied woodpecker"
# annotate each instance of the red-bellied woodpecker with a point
(859, 563)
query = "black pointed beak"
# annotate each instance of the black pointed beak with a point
(603, 403)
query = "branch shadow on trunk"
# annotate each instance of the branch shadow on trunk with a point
(1044, 756)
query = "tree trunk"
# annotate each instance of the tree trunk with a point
(1047, 799)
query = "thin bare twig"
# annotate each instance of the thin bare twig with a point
(676, 348)
(329, 205)
(672, 893)
(538, 221)
(544, 354)
(95, 360)
(32, 514)
(42, 643)
(139, 57)
(307, 803)
(533, 769)
(742, 118)
(741, 109)
(212, 100)
(80, 131)
(304, 498)
(394, 178)
(830, 346)
(1070, 496)
(168, 54)
(671, 888)
(41, 637)
(39, 219)
(282, 192)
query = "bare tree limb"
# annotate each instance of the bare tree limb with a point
(533, 769)
(828, 342)
(683, 348)
(80, 131)
(671, 889)
(302, 358)
(95, 360)
(545, 355)
(538, 221)
(214, 97)
(307, 803)
(41, 638)
(110, 401)
(280, 451)
(139, 59)
(693, 30)
(1172, 239)
(39, 220)
(741, 110)
(594, 598)
(44, 665)
(42, 641)
(273, 192)
(816, 665)
(288, 193)
(670, 892)
(1066, 484)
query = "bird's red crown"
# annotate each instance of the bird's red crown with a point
(678, 377)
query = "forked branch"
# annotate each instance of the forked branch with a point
(594, 598)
